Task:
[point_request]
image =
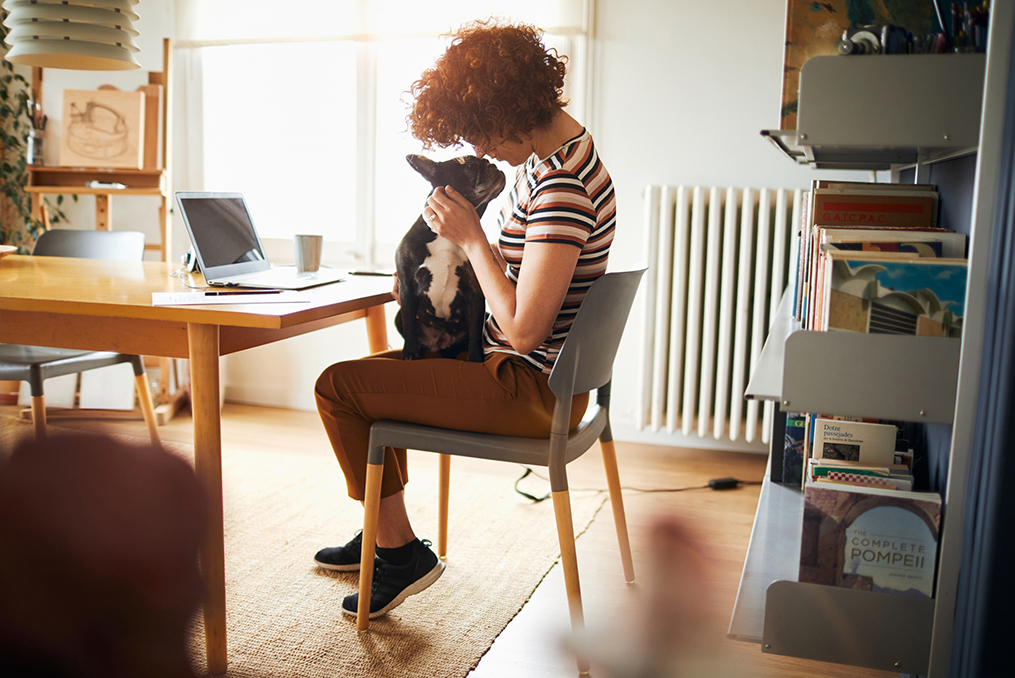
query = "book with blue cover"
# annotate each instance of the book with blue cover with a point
(918, 296)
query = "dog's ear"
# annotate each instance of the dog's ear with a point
(425, 166)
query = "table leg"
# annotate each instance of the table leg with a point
(377, 329)
(204, 379)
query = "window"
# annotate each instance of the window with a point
(284, 136)
(313, 133)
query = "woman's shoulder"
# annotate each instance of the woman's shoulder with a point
(577, 162)
(579, 144)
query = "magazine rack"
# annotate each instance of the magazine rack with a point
(805, 372)
(806, 620)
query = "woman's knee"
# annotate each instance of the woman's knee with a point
(351, 376)
(328, 383)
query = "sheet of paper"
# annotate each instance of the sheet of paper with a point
(194, 298)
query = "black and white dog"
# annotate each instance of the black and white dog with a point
(442, 305)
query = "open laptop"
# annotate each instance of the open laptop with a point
(229, 250)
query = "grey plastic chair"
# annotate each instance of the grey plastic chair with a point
(585, 363)
(35, 364)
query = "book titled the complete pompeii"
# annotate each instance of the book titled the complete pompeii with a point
(871, 539)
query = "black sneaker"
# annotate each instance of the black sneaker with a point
(394, 583)
(341, 558)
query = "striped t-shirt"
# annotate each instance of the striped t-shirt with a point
(567, 198)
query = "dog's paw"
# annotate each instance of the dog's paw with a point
(412, 354)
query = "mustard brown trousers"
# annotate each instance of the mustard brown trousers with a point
(501, 395)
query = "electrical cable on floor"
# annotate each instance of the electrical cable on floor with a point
(715, 484)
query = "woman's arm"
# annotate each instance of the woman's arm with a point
(525, 313)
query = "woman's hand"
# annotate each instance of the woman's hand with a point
(450, 215)
(525, 312)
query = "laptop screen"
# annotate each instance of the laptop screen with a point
(221, 229)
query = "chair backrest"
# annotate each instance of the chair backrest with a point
(108, 245)
(586, 359)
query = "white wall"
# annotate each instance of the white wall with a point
(682, 90)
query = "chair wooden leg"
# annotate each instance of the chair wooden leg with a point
(617, 501)
(39, 417)
(569, 561)
(144, 396)
(371, 506)
(442, 506)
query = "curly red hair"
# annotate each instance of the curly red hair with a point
(494, 80)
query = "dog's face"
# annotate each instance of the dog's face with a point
(477, 179)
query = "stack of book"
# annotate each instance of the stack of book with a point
(864, 527)
(812, 440)
(872, 258)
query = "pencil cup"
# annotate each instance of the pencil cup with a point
(308, 252)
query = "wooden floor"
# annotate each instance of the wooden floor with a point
(680, 607)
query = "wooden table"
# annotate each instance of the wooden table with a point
(107, 305)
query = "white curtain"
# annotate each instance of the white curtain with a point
(201, 23)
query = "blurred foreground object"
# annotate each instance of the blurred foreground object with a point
(98, 559)
(671, 626)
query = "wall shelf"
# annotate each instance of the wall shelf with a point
(53, 179)
(857, 113)
(886, 376)
(73, 180)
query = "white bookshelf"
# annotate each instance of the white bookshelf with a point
(875, 113)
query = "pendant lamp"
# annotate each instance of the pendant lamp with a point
(90, 35)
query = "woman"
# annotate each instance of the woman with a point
(498, 89)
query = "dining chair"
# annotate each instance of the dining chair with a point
(585, 363)
(35, 364)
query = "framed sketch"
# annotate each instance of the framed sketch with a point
(102, 128)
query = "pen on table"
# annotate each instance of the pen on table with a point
(224, 294)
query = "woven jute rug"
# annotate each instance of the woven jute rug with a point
(283, 613)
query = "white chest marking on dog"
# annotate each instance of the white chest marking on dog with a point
(443, 261)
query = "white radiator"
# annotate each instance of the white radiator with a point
(718, 263)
